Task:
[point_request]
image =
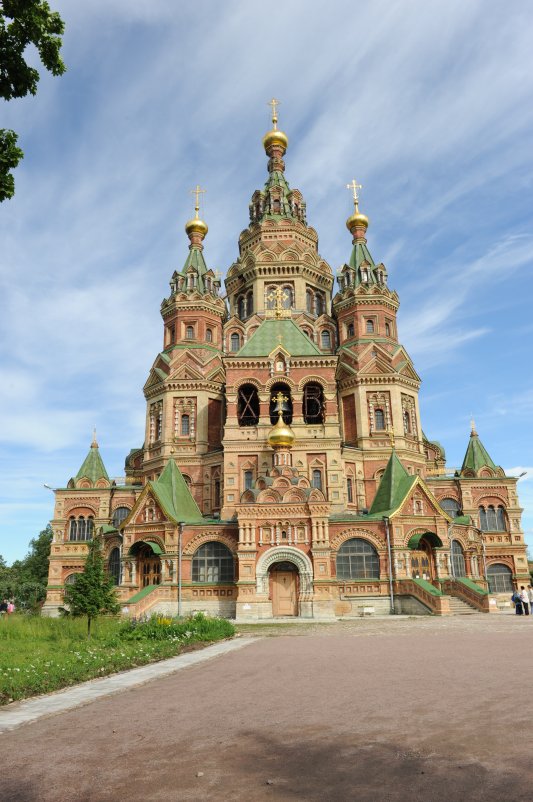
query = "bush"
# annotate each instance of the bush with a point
(197, 628)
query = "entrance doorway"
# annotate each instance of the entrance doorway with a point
(422, 562)
(284, 585)
(149, 567)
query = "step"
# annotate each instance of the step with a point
(460, 607)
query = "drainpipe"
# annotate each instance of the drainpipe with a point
(450, 538)
(387, 531)
(180, 532)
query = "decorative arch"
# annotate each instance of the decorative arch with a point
(363, 534)
(313, 379)
(81, 509)
(316, 495)
(507, 561)
(295, 495)
(205, 537)
(239, 383)
(281, 481)
(490, 498)
(284, 554)
(268, 496)
(247, 497)
(150, 540)
(414, 536)
(276, 380)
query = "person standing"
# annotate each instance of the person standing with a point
(524, 598)
(530, 595)
(517, 601)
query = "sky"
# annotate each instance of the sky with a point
(428, 105)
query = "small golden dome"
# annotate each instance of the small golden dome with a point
(355, 220)
(196, 226)
(281, 435)
(275, 137)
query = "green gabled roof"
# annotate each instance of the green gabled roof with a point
(393, 488)
(93, 468)
(195, 259)
(282, 332)
(476, 456)
(173, 494)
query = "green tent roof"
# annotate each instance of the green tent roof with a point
(476, 456)
(93, 468)
(195, 259)
(393, 488)
(283, 332)
(173, 494)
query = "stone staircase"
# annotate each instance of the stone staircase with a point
(460, 607)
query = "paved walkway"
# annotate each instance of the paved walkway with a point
(437, 710)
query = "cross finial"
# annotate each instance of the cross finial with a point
(354, 186)
(94, 443)
(472, 426)
(278, 296)
(274, 103)
(279, 400)
(197, 192)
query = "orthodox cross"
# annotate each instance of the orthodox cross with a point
(274, 103)
(354, 186)
(277, 296)
(197, 191)
(279, 400)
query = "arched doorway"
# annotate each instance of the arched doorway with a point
(284, 588)
(148, 565)
(423, 564)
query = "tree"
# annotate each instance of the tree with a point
(25, 581)
(23, 23)
(93, 592)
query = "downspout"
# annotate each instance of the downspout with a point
(180, 532)
(391, 588)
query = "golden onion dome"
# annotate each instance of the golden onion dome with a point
(196, 226)
(277, 138)
(281, 435)
(355, 220)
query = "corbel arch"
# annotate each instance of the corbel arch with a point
(363, 534)
(207, 537)
(284, 554)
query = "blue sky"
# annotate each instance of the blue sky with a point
(428, 105)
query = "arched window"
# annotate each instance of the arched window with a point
(387, 329)
(326, 339)
(316, 480)
(189, 333)
(319, 304)
(187, 479)
(451, 506)
(313, 403)
(241, 307)
(70, 579)
(249, 304)
(73, 528)
(349, 488)
(216, 493)
(81, 528)
(185, 424)
(379, 420)
(235, 342)
(500, 519)
(492, 523)
(209, 335)
(286, 298)
(113, 565)
(406, 422)
(286, 406)
(350, 330)
(500, 578)
(248, 480)
(213, 562)
(357, 559)
(458, 559)
(119, 515)
(482, 519)
(309, 301)
(248, 405)
(370, 327)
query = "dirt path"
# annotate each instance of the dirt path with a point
(384, 711)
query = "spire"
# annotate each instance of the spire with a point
(361, 268)
(93, 467)
(193, 276)
(172, 492)
(394, 486)
(477, 456)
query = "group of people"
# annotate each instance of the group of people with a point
(7, 607)
(523, 600)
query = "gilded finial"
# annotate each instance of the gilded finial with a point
(274, 103)
(196, 226)
(357, 219)
(94, 443)
(473, 432)
(278, 297)
(275, 138)
(279, 399)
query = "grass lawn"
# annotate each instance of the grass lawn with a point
(39, 655)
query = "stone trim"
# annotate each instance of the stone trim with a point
(285, 554)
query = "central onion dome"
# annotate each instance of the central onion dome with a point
(281, 435)
(357, 219)
(275, 138)
(196, 225)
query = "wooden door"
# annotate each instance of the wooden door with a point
(422, 564)
(284, 596)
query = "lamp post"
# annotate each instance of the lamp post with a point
(180, 533)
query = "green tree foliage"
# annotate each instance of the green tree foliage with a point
(23, 23)
(93, 592)
(25, 581)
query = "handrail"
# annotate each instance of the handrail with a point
(476, 597)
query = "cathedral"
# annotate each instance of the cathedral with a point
(284, 470)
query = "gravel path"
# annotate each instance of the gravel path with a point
(377, 710)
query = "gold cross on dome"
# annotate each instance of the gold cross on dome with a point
(197, 191)
(274, 103)
(354, 186)
(279, 400)
(278, 296)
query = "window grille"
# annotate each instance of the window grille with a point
(379, 420)
(248, 405)
(213, 562)
(500, 578)
(313, 403)
(458, 559)
(357, 559)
